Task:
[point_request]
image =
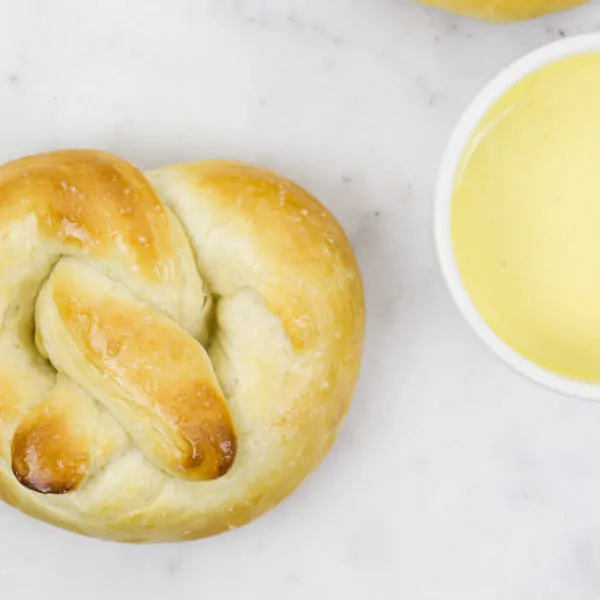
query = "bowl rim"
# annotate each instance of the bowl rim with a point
(460, 136)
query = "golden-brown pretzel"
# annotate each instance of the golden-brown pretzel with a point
(504, 10)
(176, 350)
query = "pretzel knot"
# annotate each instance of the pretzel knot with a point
(126, 381)
(115, 320)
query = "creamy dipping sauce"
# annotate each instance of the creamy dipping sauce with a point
(525, 218)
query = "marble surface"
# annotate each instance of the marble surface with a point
(453, 478)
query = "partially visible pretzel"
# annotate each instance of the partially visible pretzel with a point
(176, 352)
(504, 10)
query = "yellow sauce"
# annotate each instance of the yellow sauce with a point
(526, 217)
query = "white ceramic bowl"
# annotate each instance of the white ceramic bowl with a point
(445, 187)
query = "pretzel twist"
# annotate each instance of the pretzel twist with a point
(136, 404)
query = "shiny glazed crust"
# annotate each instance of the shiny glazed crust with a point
(177, 350)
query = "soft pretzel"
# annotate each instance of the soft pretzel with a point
(177, 350)
(504, 10)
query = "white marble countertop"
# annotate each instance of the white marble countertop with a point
(453, 477)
